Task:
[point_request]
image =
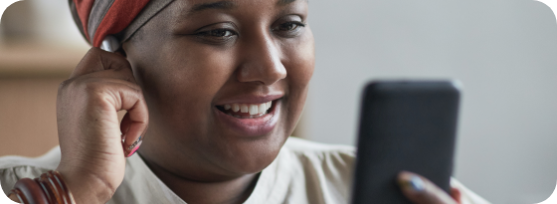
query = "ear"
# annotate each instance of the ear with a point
(112, 44)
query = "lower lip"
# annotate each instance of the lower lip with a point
(251, 127)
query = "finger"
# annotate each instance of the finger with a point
(98, 60)
(419, 190)
(125, 125)
(14, 197)
(118, 95)
(124, 74)
(135, 124)
(456, 195)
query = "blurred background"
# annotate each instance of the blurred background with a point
(503, 51)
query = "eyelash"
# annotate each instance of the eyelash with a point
(292, 23)
(211, 33)
(222, 35)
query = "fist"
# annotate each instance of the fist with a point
(93, 142)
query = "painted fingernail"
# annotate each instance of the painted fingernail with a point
(416, 183)
(133, 148)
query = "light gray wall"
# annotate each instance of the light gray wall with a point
(48, 22)
(504, 52)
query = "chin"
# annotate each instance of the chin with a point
(251, 156)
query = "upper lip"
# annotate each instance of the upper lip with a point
(250, 99)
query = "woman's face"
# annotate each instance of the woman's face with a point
(199, 61)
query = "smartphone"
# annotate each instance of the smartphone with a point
(404, 125)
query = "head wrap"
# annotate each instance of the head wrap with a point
(97, 19)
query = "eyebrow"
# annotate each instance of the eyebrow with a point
(224, 5)
(284, 2)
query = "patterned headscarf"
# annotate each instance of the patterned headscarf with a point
(97, 19)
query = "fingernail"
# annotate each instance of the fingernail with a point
(416, 184)
(133, 148)
(13, 196)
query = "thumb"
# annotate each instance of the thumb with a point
(419, 190)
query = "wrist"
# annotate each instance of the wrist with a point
(87, 188)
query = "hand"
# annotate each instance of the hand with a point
(91, 138)
(419, 190)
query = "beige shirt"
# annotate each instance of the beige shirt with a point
(303, 172)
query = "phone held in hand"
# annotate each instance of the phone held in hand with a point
(404, 125)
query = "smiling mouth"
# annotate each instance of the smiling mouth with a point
(240, 110)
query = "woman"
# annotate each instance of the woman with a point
(220, 86)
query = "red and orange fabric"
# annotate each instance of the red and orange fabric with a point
(97, 19)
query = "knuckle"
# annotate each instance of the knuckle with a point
(99, 95)
(121, 65)
(136, 88)
(114, 61)
(127, 84)
(93, 53)
(108, 60)
(94, 87)
(65, 84)
(98, 91)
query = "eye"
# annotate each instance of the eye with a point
(219, 33)
(216, 36)
(290, 26)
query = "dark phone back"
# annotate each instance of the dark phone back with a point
(404, 125)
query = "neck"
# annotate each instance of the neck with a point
(230, 191)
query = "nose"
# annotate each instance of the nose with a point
(262, 62)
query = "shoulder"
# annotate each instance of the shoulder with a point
(333, 163)
(325, 169)
(13, 168)
(341, 154)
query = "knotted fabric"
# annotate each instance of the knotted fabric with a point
(97, 19)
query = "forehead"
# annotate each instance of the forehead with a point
(190, 7)
(194, 3)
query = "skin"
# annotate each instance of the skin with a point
(430, 194)
(169, 78)
(259, 56)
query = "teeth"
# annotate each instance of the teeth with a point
(262, 108)
(235, 107)
(244, 108)
(252, 109)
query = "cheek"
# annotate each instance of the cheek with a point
(184, 83)
(300, 64)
